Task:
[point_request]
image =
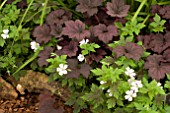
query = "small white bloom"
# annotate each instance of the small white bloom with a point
(110, 94)
(158, 84)
(130, 72)
(130, 80)
(84, 41)
(130, 94)
(134, 88)
(5, 31)
(108, 90)
(59, 47)
(5, 35)
(137, 83)
(43, 4)
(34, 45)
(80, 57)
(102, 82)
(62, 69)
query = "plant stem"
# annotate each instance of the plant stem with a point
(20, 24)
(146, 19)
(132, 5)
(3, 4)
(164, 3)
(43, 12)
(27, 62)
(138, 10)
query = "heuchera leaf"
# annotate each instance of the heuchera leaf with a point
(43, 55)
(70, 49)
(156, 68)
(105, 33)
(117, 8)
(88, 6)
(47, 104)
(56, 30)
(156, 42)
(77, 69)
(75, 29)
(165, 12)
(58, 17)
(95, 56)
(42, 33)
(166, 55)
(130, 50)
(85, 70)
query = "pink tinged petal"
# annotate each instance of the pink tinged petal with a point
(134, 94)
(65, 66)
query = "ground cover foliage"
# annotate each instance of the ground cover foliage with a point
(112, 54)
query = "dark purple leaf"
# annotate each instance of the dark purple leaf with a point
(58, 17)
(105, 33)
(155, 9)
(100, 17)
(88, 6)
(77, 69)
(117, 8)
(165, 12)
(85, 70)
(56, 30)
(98, 55)
(47, 104)
(42, 33)
(44, 55)
(157, 43)
(146, 39)
(156, 69)
(70, 49)
(73, 66)
(166, 55)
(130, 50)
(75, 29)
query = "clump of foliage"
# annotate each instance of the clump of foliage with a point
(113, 55)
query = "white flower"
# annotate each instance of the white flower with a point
(59, 47)
(130, 72)
(34, 45)
(158, 84)
(137, 83)
(5, 31)
(134, 88)
(84, 41)
(62, 69)
(43, 4)
(130, 94)
(5, 35)
(102, 82)
(110, 94)
(80, 57)
(108, 90)
(130, 80)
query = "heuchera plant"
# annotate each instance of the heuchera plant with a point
(112, 55)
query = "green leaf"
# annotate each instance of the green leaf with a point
(111, 103)
(2, 42)
(94, 97)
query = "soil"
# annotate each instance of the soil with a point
(25, 98)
